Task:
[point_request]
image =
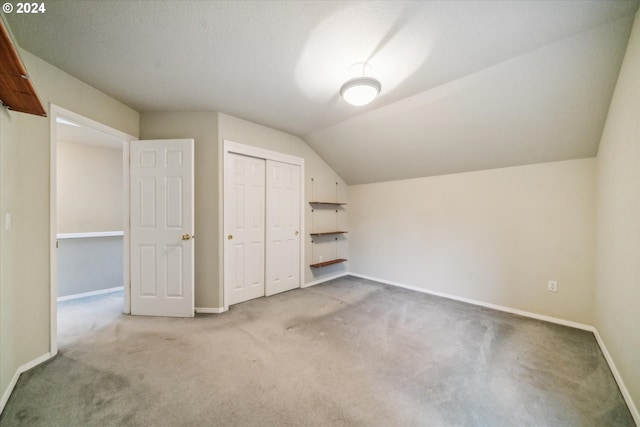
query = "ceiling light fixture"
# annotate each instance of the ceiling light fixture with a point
(360, 90)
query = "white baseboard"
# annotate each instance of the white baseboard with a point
(90, 294)
(325, 279)
(24, 368)
(304, 285)
(481, 303)
(623, 389)
(210, 310)
(614, 370)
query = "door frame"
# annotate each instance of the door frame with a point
(55, 112)
(231, 147)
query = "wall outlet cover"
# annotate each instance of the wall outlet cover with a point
(552, 286)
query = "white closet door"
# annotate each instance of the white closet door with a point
(283, 227)
(244, 224)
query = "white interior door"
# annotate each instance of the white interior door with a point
(162, 225)
(282, 227)
(244, 225)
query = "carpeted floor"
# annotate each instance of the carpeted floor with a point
(79, 318)
(349, 352)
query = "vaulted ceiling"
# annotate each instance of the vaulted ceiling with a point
(466, 85)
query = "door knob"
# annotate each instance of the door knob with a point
(296, 233)
(230, 236)
(186, 237)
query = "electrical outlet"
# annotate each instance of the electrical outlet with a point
(320, 258)
(552, 286)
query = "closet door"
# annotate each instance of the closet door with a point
(244, 225)
(282, 227)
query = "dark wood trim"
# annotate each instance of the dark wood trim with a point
(16, 90)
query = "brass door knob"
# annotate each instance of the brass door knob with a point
(186, 237)
(296, 233)
(230, 236)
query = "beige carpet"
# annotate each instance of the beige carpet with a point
(347, 353)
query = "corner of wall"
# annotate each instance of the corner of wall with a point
(618, 229)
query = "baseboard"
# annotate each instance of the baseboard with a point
(481, 303)
(210, 310)
(325, 279)
(304, 285)
(24, 368)
(90, 294)
(614, 370)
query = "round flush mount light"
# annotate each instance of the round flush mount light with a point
(360, 91)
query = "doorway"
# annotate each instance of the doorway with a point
(263, 221)
(89, 218)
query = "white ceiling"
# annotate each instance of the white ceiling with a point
(466, 85)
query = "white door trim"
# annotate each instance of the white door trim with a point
(56, 111)
(261, 153)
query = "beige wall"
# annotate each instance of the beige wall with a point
(209, 129)
(203, 128)
(494, 236)
(617, 288)
(24, 156)
(10, 295)
(90, 188)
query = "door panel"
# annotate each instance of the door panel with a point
(174, 210)
(244, 222)
(175, 261)
(148, 268)
(162, 248)
(283, 227)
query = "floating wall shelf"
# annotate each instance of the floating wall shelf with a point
(326, 263)
(326, 243)
(328, 233)
(328, 203)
